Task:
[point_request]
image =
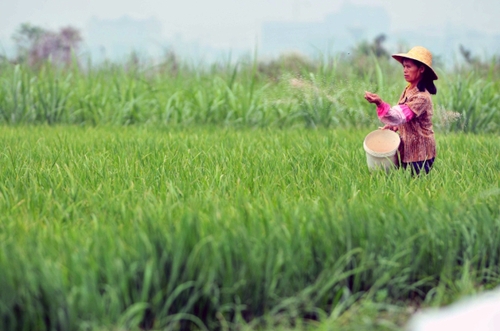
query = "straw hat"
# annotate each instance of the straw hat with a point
(420, 54)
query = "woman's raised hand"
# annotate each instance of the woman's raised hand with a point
(372, 98)
(389, 127)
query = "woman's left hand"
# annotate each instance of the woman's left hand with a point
(389, 127)
(372, 98)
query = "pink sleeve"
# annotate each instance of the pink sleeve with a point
(396, 115)
(409, 114)
(383, 109)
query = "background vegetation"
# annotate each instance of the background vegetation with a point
(218, 228)
(289, 91)
(236, 195)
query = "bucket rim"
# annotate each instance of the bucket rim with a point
(382, 154)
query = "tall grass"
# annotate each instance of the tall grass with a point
(476, 101)
(205, 227)
(326, 94)
(128, 199)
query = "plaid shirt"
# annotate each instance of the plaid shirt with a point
(417, 136)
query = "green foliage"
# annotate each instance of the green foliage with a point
(147, 209)
(286, 94)
(26, 37)
(205, 228)
(290, 63)
(472, 103)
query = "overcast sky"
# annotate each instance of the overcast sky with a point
(223, 23)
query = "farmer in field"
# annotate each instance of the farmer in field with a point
(413, 113)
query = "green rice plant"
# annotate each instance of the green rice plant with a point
(234, 95)
(475, 101)
(210, 227)
(16, 96)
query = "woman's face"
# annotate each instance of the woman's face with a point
(412, 71)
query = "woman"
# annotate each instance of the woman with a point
(412, 116)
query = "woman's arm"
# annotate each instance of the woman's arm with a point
(390, 115)
(400, 114)
(395, 115)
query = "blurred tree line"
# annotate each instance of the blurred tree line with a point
(36, 45)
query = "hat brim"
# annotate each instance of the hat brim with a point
(401, 57)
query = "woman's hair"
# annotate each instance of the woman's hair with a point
(426, 82)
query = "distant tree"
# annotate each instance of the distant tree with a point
(467, 55)
(291, 63)
(25, 38)
(477, 63)
(375, 47)
(35, 45)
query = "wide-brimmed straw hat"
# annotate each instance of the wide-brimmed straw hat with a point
(420, 54)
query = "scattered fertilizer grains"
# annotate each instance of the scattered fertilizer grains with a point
(204, 228)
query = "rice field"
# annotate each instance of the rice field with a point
(234, 202)
(245, 94)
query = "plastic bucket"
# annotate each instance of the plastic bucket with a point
(381, 147)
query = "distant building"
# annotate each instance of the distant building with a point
(336, 33)
(445, 43)
(341, 31)
(115, 39)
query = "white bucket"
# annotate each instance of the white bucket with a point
(381, 147)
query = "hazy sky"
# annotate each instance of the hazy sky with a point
(237, 23)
